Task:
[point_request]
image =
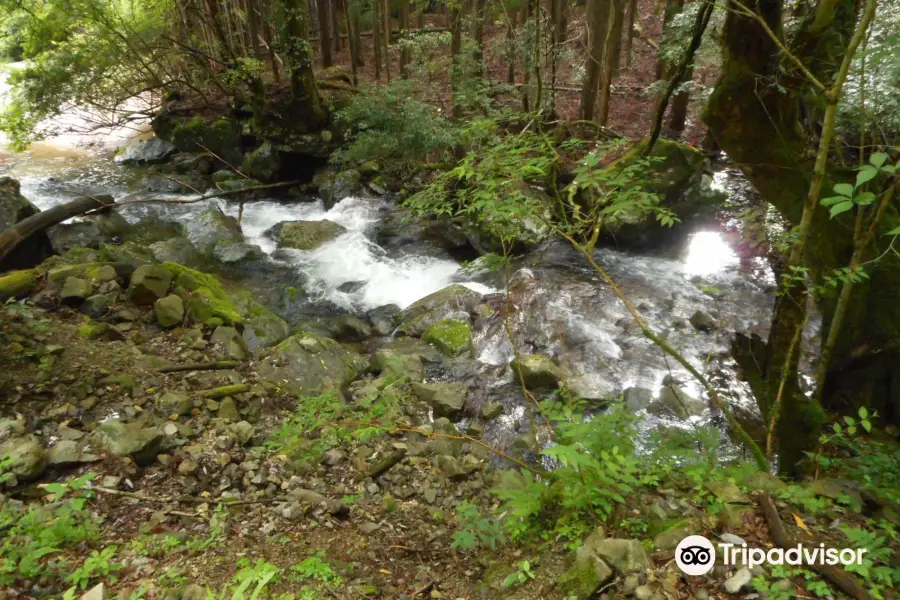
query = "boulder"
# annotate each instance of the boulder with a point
(17, 284)
(169, 311)
(24, 457)
(673, 400)
(384, 318)
(637, 398)
(201, 163)
(211, 227)
(70, 452)
(453, 338)
(221, 137)
(149, 283)
(140, 443)
(174, 402)
(703, 321)
(407, 366)
(176, 184)
(264, 330)
(146, 152)
(305, 235)
(99, 305)
(335, 186)
(625, 556)
(590, 571)
(491, 410)
(303, 362)
(80, 234)
(232, 253)
(263, 164)
(177, 249)
(447, 399)
(351, 328)
(536, 371)
(14, 208)
(75, 290)
(203, 295)
(230, 341)
(455, 301)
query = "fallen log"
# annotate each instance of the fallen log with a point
(213, 366)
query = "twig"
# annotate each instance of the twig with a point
(213, 366)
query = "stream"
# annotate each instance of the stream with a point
(562, 308)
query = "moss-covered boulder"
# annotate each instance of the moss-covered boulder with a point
(221, 137)
(229, 342)
(305, 235)
(455, 301)
(169, 311)
(304, 362)
(334, 186)
(149, 283)
(453, 338)
(75, 290)
(203, 295)
(407, 366)
(234, 253)
(92, 330)
(263, 164)
(17, 284)
(263, 329)
(140, 443)
(24, 457)
(14, 207)
(212, 227)
(179, 250)
(536, 371)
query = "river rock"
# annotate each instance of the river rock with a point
(408, 366)
(231, 253)
(228, 410)
(453, 302)
(702, 321)
(75, 290)
(230, 341)
(201, 163)
(177, 184)
(739, 582)
(146, 152)
(384, 318)
(637, 398)
(211, 227)
(169, 311)
(80, 234)
(590, 572)
(351, 287)
(491, 410)
(178, 250)
(351, 328)
(625, 556)
(335, 186)
(149, 283)
(14, 208)
(305, 235)
(26, 457)
(673, 400)
(174, 402)
(99, 305)
(303, 362)
(447, 399)
(536, 371)
(263, 164)
(264, 330)
(142, 444)
(221, 137)
(453, 338)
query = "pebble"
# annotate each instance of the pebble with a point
(739, 581)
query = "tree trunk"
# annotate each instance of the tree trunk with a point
(325, 31)
(610, 61)
(678, 115)
(629, 34)
(354, 9)
(673, 7)
(349, 9)
(376, 41)
(306, 106)
(511, 47)
(761, 130)
(385, 9)
(597, 20)
(478, 34)
(404, 36)
(253, 29)
(336, 25)
(455, 49)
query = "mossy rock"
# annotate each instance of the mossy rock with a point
(453, 338)
(91, 330)
(536, 371)
(307, 235)
(203, 295)
(221, 137)
(17, 284)
(263, 164)
(304, 362)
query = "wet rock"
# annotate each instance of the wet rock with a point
(264, 330)
(146, 152)
(173, 402)
(202, 163)
(140, 443)
(25, 457)
(351, 328)
(673, 400)
(475, 430)
(453, 338)
(169, 311)
(305, 235)
(228, 410)
(231, 253)
(408, 366)
(211, 227)
(14, 207)
(384, 318)
(98, 305)
(303, 362)
(728, 492)
(334, 187)
(177, 249)
(739, 582)
(491, 410)
(81, 234)
(703, 321)
(447, 399)
(351, 287)
(76, 290)
(638, 398)
(447, 303)
(263, 164)
(536, 371)
(149, 283)
(230, 341)
(177, 184)
(221, 137)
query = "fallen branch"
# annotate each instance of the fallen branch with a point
(842, 580)
(385, 465)
(213, 366)
(225, 390)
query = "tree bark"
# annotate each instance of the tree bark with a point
(610, 60)
(673, 7)
(306, 105)
(629, 34)
(598, 16)
(455, 49)
(404, 36)
(376, 41)
(323, 7)
(511, 47)
(349, 9)
(478, 34)
(336, 25)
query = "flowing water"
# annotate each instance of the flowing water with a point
(560, 306)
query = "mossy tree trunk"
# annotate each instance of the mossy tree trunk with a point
(306, 105)
(760, 128)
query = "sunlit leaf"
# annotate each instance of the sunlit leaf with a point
(865, 174)
(878, 159)
(844, 189)
(841, 208)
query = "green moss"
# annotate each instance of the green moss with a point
(17, 283)
(203, 295)
(97, 271)
(451, 337)
(92, 330)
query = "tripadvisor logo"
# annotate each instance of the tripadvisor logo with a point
(696, 555)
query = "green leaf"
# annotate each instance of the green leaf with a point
(865, 198)
(841, 208)
(894, 231)
(511, 579)
(832, 200)
(878, 158)
(844, 189)
(863, 412)
(865, 174)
